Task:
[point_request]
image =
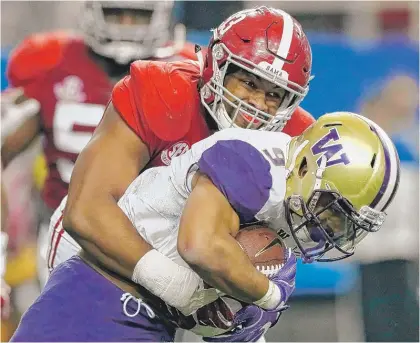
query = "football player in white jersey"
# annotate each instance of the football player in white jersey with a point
(326, 189)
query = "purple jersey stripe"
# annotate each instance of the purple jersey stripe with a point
(241, 173)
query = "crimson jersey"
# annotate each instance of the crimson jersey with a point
(56, 69)
(160, 102)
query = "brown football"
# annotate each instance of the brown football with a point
(266, 251)
(263, 246)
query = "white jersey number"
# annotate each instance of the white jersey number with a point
(275, 155)
(72, 129)
(232, 20)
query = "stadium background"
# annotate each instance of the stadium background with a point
(365, 59)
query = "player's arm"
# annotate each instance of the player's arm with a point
(234, 187)
(32, 59)
(21, 123)
(102, 173)
(206, 242)
(104, 169)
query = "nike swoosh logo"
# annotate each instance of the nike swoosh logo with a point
(274, 242)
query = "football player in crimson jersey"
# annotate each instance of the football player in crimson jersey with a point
(251, 78)
(160, 109)
(61, 82)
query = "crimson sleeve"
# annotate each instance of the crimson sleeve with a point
(299, 122)
(124, 100)
(34, 56)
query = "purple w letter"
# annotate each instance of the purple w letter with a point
(329, 151)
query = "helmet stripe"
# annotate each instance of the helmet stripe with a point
(285, 41)
(387, 175)
(397, 180)
(392, 169)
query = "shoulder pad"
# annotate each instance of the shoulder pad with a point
(36, 55)
(188, 51)
(241, 172)
(167, 95)
(299, 122)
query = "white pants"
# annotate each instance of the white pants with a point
(55, 245)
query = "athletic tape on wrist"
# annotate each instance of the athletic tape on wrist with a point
(166, 279)
(271, 299)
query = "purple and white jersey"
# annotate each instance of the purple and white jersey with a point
(246, 166)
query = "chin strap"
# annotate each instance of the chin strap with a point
(294, 157)
(318, 180)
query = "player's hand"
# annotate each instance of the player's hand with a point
(216, 314)
(14, 109)
(251, 322)
(284, 279)
(5, 299)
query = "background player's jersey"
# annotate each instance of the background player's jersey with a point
(72, 89)
(246, 166)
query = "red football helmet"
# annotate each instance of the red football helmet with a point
(266, 42)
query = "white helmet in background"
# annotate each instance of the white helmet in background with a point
(128, 30)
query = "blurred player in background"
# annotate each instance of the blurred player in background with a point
(14, 251)
(61, 82)
(326, 197)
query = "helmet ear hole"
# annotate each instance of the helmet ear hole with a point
(303, 168)
(231, 69)
(372, 163)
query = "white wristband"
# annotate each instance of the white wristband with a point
(271, 299)
(166, 279)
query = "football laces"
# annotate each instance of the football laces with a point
(270, 270)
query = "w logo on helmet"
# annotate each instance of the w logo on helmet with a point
(329, 151)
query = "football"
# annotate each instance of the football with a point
(266, 251)
(264, 248)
